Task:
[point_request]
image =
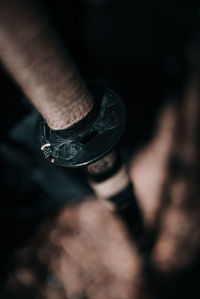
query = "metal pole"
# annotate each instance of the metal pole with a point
(76, 130)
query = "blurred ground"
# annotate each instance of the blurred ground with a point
(146, 52)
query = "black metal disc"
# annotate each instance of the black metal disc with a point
(91, 138)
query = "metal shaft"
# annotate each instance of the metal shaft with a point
(35, 57)
(111, 182)
(33, 54)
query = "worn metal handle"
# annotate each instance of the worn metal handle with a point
(35, 57)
